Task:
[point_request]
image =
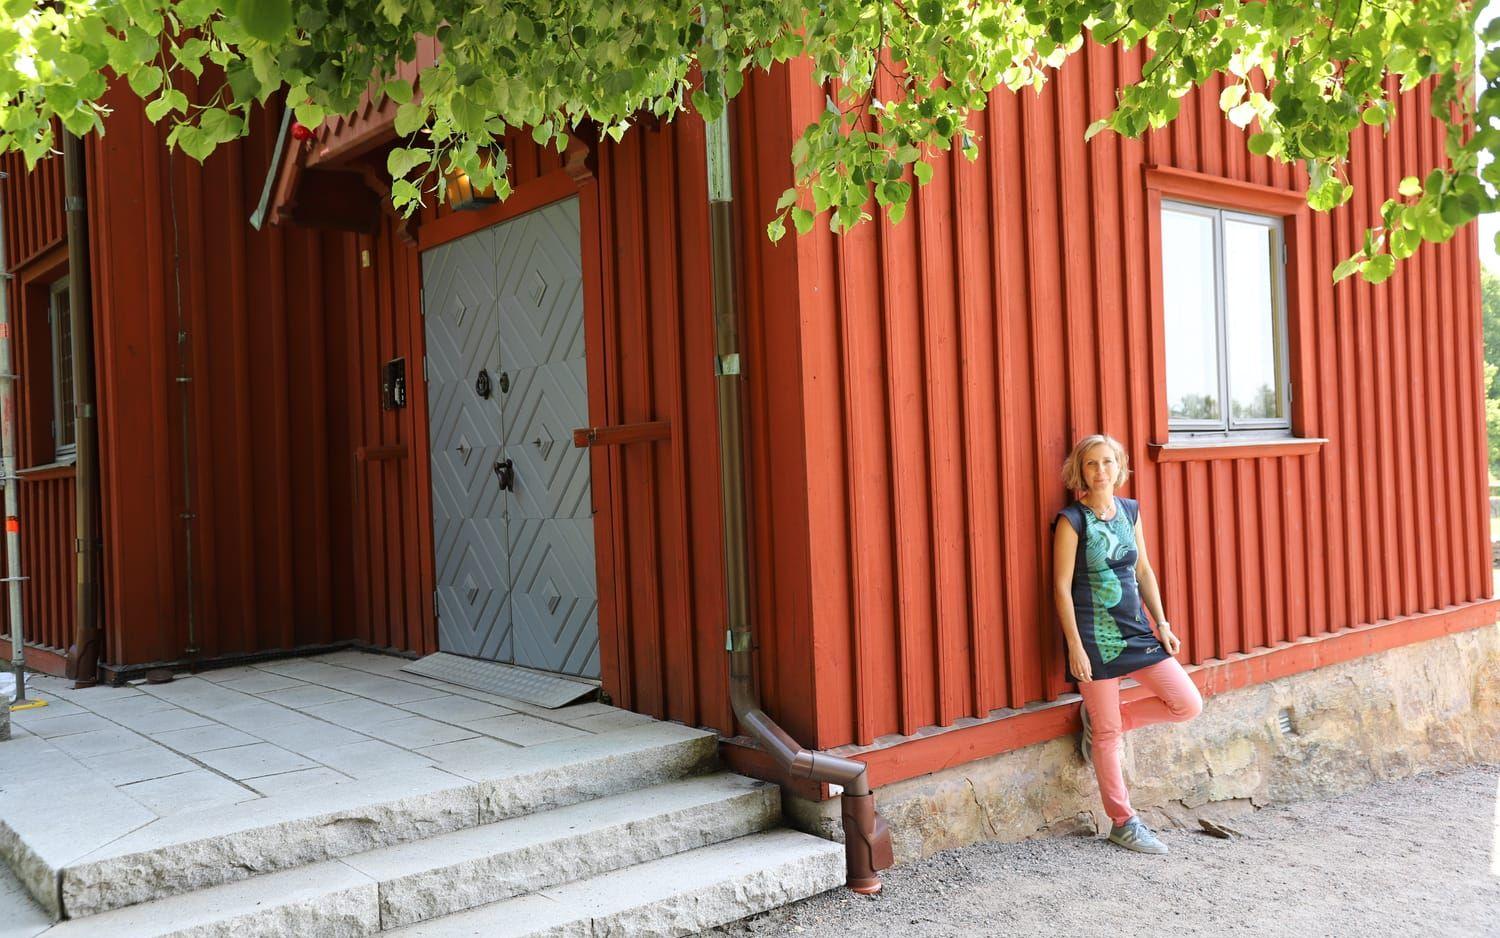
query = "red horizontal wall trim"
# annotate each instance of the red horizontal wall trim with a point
(1218, 190)
(44, 660)
(1237, 449)
(941, 748)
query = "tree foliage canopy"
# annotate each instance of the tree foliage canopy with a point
(902, 78)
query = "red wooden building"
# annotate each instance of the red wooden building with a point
(1310, 456)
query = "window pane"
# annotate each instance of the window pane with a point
(1250, 321)
(1187, 247)
(62, 359)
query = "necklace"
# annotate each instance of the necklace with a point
(1113, 504)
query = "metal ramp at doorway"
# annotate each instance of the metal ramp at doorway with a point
(506, 680)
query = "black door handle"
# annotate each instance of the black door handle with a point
(505, 471)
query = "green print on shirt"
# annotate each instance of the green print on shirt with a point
(1102, 546)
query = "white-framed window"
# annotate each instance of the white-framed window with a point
(1224, 317)
(60, 321)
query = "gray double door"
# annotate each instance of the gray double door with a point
(512, 512)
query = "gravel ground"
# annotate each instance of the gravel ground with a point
(1417, 856)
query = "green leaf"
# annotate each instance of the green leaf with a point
(1378, 268)
(409, 117)
(1410, 186)
(402, 161)
(1346, 268)
(1260, 144)
(1404, 243)
(158, 109)
(776, 230)
(922, 171)
(145, 80)
(266, 20)
(1095, 127)
(398, 90)
(803, 219)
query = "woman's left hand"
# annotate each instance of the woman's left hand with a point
(1169, 640)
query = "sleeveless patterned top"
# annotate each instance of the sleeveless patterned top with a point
(1106, 597)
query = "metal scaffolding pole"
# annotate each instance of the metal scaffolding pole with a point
(8, 478)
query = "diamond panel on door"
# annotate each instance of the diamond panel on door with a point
(554, 595)
(554, 592)
(470, 541)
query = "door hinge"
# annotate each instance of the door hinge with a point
(434, 604)
(424, 367)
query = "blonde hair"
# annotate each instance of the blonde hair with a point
(1072, 467)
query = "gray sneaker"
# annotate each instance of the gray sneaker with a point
(1135, 835)
(1086, 738)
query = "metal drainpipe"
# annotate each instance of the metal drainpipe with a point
(867, 841)
(10, 480)
(83, 656)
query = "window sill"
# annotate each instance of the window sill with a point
(1195, 451)
(62, 469)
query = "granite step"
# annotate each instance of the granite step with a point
(73, 877)
(417, 882)
(678, 895)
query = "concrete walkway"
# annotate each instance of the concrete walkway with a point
(123, 759)
(224, 737)
(1413, 857)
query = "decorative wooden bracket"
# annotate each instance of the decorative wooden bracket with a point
(581, 159)
(624, 433)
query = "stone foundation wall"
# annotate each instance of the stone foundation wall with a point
(1426, 706)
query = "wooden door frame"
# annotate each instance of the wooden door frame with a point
(575, 179)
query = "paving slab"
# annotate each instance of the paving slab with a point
(604, 722)
(293, 782)
(101, 742)
(205, 738)
(242, 762)
(358, 713)
(131, 706)
(160, 721)
(677, 895)
(69, 724)
(262, 682)
(187, 791)
(136, 765)
(386, 689)
(524, 730)
(479, 750)
(455, 709)
(416, 732)
(53, 708)
(307, 735)
(368, 759)
(305, 695)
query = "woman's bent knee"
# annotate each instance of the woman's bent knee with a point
(1186, 708)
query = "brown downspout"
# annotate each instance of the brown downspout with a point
(83, 656)
(867, 841)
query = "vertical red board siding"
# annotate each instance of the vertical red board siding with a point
(254, 321)
(32, 208)
(1251, 552)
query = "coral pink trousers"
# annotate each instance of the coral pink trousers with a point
(1176, 700)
